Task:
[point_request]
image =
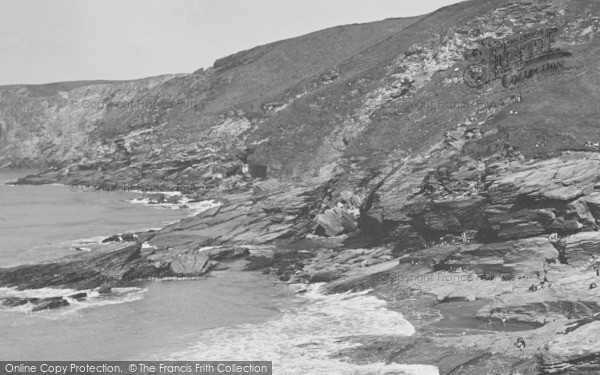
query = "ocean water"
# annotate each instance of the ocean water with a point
(39, 223)
(153, 319)
(308, 337)
(229, 315)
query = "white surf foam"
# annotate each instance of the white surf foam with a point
(93, 299)
(199, 207)
(35, 293)
(305, 339)
(85, 241)
(194, 207)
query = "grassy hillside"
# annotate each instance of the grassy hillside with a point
(43, 116)
(317, 105)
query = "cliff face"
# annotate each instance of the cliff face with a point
(59, 124)
(465, 139)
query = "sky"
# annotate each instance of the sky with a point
(69, 40)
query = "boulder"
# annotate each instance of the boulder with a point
(194, 264)
(336, 221)
(323, 276)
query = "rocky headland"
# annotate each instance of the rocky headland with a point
(372, 159)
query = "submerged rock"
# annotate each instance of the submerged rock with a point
(114, 238)
(79, 296)
(50, 304)
(105, 289)
(16, 301)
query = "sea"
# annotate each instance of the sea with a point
(230, 315)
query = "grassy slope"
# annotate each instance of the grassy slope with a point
(264, 74)
(303, 128)
(245, 80)
(307, 134)
(558, 112)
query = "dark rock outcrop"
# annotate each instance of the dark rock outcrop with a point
(324, 276)
(50, 304)
(194, 264)
(336, 221)
(84, 270)
(227, 253)
(113, 238)
(39, 304)
(576, 352)
(581, 250)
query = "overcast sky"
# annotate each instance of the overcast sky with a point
(66, 40)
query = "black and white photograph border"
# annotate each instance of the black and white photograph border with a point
(320, 187)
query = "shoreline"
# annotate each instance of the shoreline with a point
(119, 243)
(176, 314)
(508, 291)
(44, 223)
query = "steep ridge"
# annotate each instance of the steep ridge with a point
(428, 159)
(48, 116)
